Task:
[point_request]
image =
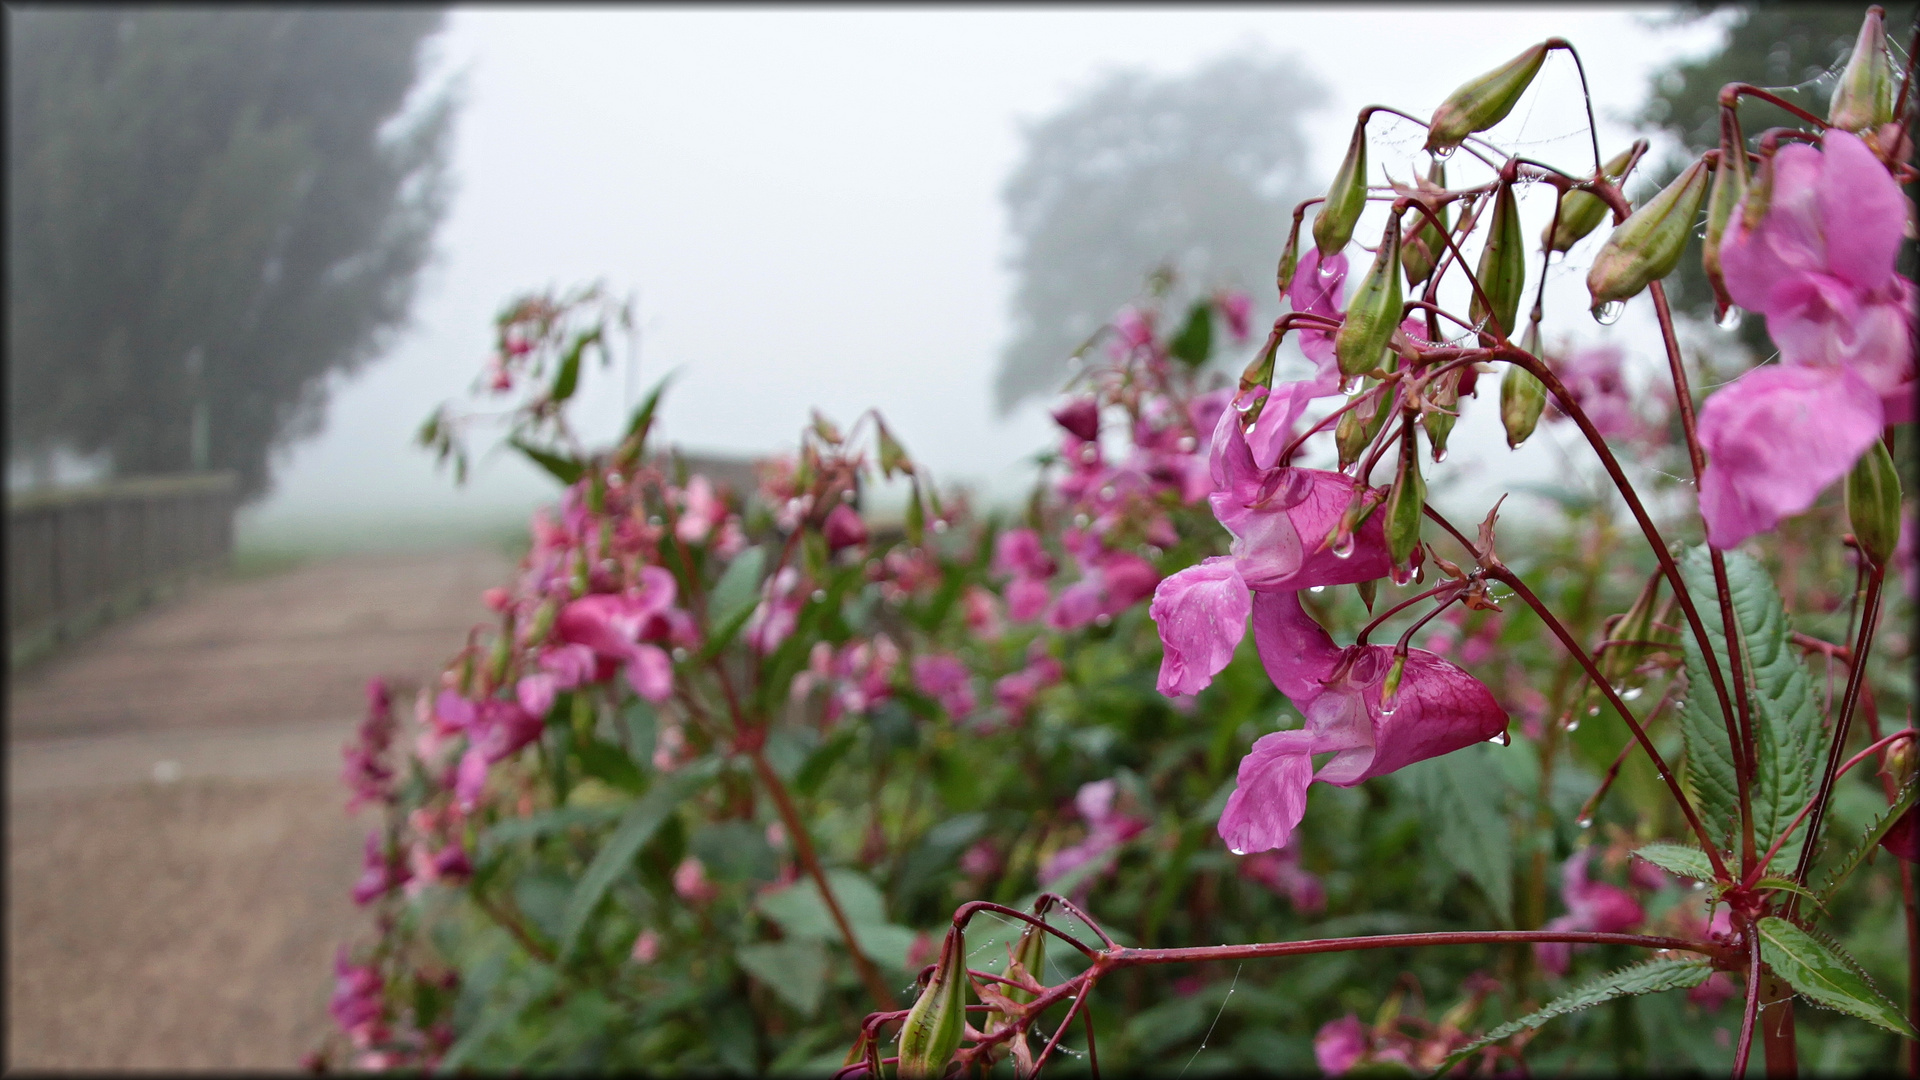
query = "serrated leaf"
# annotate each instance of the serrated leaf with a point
(1683, 859)
(564, 469)
(1814, 969)
(1460, 795)
(1789, 737)
(636, 827)
(795, 970)
(1868, 841)
(1650, 977)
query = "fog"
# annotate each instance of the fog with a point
(806, 205)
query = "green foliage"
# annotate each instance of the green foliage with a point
(1827, 975)
(1650, 977)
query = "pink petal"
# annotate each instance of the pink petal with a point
(650, 673)
(1297, 653)
(1271, 796)
(1861, 209)
(1776, 437)
(1202, 615)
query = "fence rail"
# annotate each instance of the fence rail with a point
(77, 556)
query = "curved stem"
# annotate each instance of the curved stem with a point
(1586, 96)
(1734, 91)
(1361, 637)
(1512, 581)
(1856, 676)
(1751, 1010)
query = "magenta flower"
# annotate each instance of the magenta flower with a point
(1281, 872)
(1080, 417)
(1592, 906)
(1775, 438)
(1340, 1044)
(843, 528)
(364, 769)
(1015, 692)
(1282, 520)
(778, 613)
(982, 610)
(1595, 378)
(358, 1004)
(381, 871)
(1438, 709)
(1237, 308)
(702, 514)
(1819, 266)
(646, 947)
(1274, 428)
(614, 627)
(496, 730)
(1110, 583)
(946, 680)
(1134, 330)
(1107, 829)
(1319, 288)
(1903, 839)
(1202, 614)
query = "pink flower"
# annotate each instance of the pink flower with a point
(946, 680)
(982, 610)
(1281, 872)
(1202, 614)
(1282, 520)
(843, 528)
(1106, 830)
(704, 512)
(1319, 288)
(1019, 552)
(1015, 692)
(358, 1004)
(1080, 417)
(1110, 583)
(690, 881)
(778, 613)
(1775, 438)
(1134, 328)
(382, 871)
(364, 771)
(495, 731)
(1819, 266)
(614, 627)
(1591, 906)
(1713, 993)
(1595, 378)
(1340, 1044)
(1237, 307)
(646, 947)
(1438, 709)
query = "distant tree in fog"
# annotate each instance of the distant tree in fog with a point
(1198, 172)
(208, 212)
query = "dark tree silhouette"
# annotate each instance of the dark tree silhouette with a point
(1197, 173)
(208, 212)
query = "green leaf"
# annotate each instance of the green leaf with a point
(567, 379)
(801, 913)
(1683, 859)
(642, 418)
(1460, 795)
(1652, 976)
(543, 823)
(821, 762)
(1818, 972)
(611, 764)
(1194, 342)
(564, 469)
(795, 970)
(616, 854)
(1868, 842)
(1789, 736)
(739, 588)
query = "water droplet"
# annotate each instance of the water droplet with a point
(1698, 885)
(1609, 313)
(1502, 739)
(1080, 521)
(1419, 573)
(1103, 620)
(1187, 443)
(1631, 693)
(1439, 454)
(819, 595)
(1349, 384)
(1593, 710)
(1442, 153)
(1388, 706)
(1398, 575)
(1238, 851)
(847, 496)
(679, 655)
(1572, 724)
(1343, 547)
(654, 521)
(1089, 453)
(614, 479)
(939, 525)
(1585, 821)
(1107, 492)
(1317, 589)
(1732, 319)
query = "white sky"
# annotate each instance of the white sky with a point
(807, 204)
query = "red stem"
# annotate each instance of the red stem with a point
(1760, 867)
(1856, 676)
(1752, 1010)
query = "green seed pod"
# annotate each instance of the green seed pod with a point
(1873, 503)
(1360, 424)
(1347, 196)
(1420, 252)
(1483, 102)
(1444, 395)
(1647, 246)
(1368, 589)
(1863, 98)
(542, 625)
(1617, 663)
(1290, 257)
(1729, 184)
(1503, 267)
(1374, 312)
(1390, 686)
(1258, 373)
(1581, 212)
(1522, 395)
(1404, 502)
(501, 655)
(934, 1026)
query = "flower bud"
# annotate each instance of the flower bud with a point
(1404, 502)
(1729, 184)
(1420, 252)
(933, 1027)
(1522, 395)
(1483, 102)
(1368, 589)
(1863, 98)
(542, 624)
(1333, 226)
(501, 654)
(1443, 394)
(1647, 246)
(1581, 212)
(1873, 503)
(1290, 257)
(1374, 312)
(1360, 424)
(1258, 374)
(1503, 268)
(1617, 663)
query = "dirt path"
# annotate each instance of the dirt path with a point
(178, 860)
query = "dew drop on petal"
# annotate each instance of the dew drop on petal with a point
(1343, 547)
(1502, 739)
(1238, 851)
(1317, 589)
(1609, 313)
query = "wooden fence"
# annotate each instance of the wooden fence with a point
(78, 556)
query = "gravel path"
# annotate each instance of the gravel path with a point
(178, 860)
